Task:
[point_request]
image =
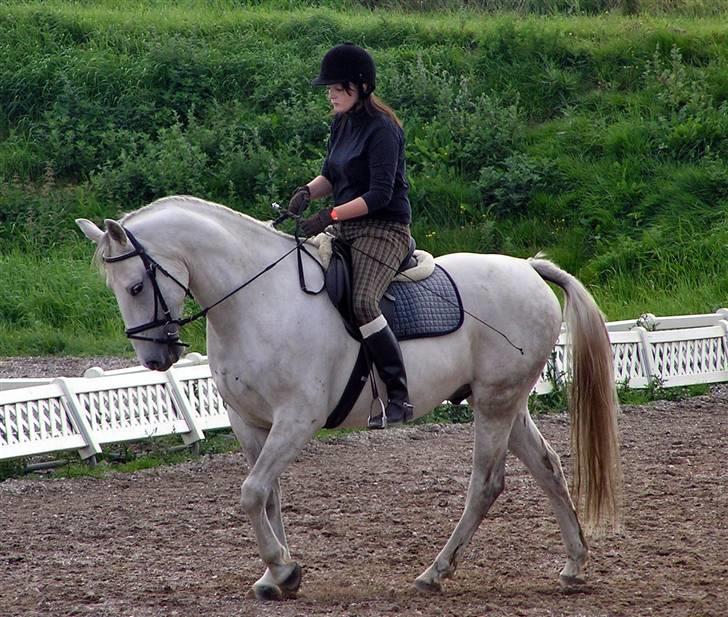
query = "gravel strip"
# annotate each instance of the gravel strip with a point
(58, 366)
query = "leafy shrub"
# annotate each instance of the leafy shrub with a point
(171, 164)
(510, 185)
(449, 414)
(37, 217)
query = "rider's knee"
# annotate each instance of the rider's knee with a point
(365, 311)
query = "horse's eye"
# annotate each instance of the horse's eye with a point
(135, 290)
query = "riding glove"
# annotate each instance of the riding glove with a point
(299, 200)
(316, 223)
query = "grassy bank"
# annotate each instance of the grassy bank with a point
(598, 137)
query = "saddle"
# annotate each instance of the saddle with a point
(427, 305)
(338, 283)
(413, 308)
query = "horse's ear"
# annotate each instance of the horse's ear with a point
(90, 230)
(116, 232)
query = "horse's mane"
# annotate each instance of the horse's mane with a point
(187, 202)
(192, 204)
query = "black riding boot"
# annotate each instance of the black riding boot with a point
(384, 350)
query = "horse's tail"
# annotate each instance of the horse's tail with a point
(593, 405)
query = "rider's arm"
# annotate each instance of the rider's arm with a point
(320, 187)
(383, 156)
(351, 209)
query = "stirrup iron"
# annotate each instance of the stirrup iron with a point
(378, 421)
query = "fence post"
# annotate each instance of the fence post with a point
(645, 352)
(648, 321)
(195, 432)
(724, 324)
(92, 448)
(93, 371)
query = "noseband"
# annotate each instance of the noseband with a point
(172, 326)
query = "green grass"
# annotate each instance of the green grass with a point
(57, 303)
(566, 127)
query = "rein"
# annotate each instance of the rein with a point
(151, 267)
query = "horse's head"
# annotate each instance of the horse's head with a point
(149, 288)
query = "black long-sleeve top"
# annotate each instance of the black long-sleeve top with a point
(365, 158)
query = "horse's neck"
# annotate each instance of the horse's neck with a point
(220, 249)
(232, 254)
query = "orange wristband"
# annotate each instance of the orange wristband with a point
(334, 216)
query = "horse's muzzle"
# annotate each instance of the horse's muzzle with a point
(164, 357)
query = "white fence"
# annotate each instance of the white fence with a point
(108, 407)
(40, 416)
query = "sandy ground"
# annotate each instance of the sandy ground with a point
(365, 514)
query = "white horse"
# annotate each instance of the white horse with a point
(280, 360)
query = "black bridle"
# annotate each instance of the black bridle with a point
(151, 266)
(173, 326)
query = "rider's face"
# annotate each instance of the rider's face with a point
(341, 99)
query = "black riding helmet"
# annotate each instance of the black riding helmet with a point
(347, 63)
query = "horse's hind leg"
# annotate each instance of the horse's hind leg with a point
(529, 446)
(486, 483)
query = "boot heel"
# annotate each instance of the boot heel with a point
(409, 412)
(399, 412)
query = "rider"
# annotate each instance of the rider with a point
(364, 171)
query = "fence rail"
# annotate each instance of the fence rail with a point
(39, 416)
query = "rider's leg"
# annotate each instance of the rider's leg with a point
(386, 354)
(377, 250)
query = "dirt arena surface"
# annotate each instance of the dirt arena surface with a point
(365, 514)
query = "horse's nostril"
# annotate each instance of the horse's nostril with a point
(153, 365)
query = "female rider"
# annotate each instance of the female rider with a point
(364, 171)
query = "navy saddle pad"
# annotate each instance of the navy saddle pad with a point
(430, 307)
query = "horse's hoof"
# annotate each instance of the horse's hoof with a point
(429, 587)
(267, 592)
(572, 584)
(290, 586)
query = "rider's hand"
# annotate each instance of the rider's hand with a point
(299, 200)
(316, 223)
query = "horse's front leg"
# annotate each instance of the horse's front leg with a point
(251, 439)
(260, 498)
